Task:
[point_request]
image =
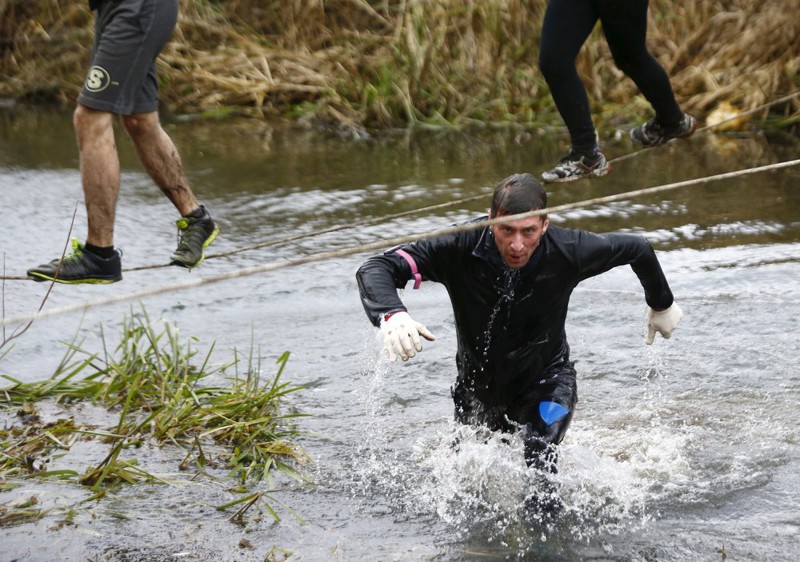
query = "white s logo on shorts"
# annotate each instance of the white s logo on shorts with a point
(98, 79)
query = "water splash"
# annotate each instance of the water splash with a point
(475, 481)
(472, 484)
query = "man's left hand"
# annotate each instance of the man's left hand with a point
(662, 321)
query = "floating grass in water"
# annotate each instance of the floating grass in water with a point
(152, 382)
(16, 513)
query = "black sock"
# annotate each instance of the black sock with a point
(104, 252)
(590, 152)
(198, 213)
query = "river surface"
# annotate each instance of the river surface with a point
(686, 450)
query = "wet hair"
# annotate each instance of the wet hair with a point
(517, 194)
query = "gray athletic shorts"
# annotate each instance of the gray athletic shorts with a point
(129, 35)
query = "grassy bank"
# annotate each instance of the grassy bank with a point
(399, 63)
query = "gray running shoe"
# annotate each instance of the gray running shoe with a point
(81, 266)
(196, 234)
(653, 134)
(576, 166)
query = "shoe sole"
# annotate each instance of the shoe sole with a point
(40, 277)
(568, 179)
(206, 244)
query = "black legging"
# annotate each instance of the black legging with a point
(567, 25)
(540, 436)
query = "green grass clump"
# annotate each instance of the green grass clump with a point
(160, 390)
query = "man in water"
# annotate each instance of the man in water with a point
(129, 35)
(510, 284)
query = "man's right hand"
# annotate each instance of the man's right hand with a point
(662, 321)
(401, 335)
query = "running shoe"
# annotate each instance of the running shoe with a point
(81, 266)
(653, 133)
(196, 234)
(576, 166)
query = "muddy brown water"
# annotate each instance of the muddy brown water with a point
(688, 450)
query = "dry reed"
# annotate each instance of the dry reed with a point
(390, 63)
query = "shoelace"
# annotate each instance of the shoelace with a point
(190, 233)
(77, 252)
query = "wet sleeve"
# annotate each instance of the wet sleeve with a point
(378, 280)
(381, 276)
(598, 253)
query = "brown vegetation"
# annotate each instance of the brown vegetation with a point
(398, 63)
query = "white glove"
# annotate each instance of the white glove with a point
(662, 321)
(401, 335)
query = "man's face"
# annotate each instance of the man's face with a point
(517, 240)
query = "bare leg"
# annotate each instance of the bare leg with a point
(99, 165)
(160, 158)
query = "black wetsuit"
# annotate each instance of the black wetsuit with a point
(567, 24)
(513, 358)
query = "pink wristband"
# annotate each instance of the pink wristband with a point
(414, 271)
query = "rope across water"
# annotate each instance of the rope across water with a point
(383, 244)
(377, 220)
(385, 218)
